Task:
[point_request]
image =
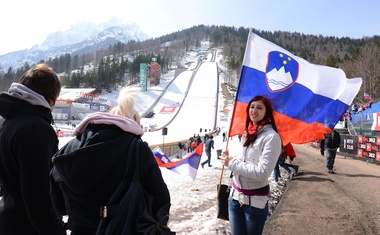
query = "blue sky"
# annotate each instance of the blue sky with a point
(23, 28)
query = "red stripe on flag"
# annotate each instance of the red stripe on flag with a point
(303, 132)
(237, 125)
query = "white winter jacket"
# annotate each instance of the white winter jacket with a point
(252, 169)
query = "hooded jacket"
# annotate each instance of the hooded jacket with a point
(89, 168)
(27, 143)
(253, 167)
(332, 140)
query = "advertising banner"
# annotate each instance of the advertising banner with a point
(168, 109)
(94, 107)
(143, 76)
(81, 106)
(369, 147)
(93, 97)
(154, 72)
(348, 144)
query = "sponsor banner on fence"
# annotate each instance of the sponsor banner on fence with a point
(81, 106)
(93, 97)
(348, 144)
(167, 109)
(361, 146)
(64, 133)
(369, 146)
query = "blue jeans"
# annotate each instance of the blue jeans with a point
(208, 153)
(246, 220)
(330, 159)
(276, 170)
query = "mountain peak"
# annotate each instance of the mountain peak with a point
(77, 37)
(85, 31)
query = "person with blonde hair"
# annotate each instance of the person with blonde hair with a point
(90, 168)
(126, 105)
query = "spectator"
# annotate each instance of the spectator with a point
(248, 203)
(209, 145)
(199, 140)
(205, 138)
(27, 143)
(100, 154)
(180, 146)
(217, 130)
(191, 139)
(224, 137)
(193, 145)
(332, 143)
(287, 151)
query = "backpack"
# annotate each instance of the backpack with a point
(133, 213)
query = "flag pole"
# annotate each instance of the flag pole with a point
(233, 113)
(221, 174)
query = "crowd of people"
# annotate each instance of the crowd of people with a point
(358, 108)
(41, 183)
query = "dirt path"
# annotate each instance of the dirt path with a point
(316, 202)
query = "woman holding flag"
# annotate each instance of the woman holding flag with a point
(248, 201)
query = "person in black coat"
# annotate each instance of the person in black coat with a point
(331, 143)
(27, 143)
(89, 168)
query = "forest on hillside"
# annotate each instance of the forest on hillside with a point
(119, 63)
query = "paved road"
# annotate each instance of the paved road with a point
(316, 202)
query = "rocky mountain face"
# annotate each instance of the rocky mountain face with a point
(81, 38)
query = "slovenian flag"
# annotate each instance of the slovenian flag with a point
(308, 99)
(187, 166)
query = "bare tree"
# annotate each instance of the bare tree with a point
(366, 66)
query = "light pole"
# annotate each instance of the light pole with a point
(164, 132)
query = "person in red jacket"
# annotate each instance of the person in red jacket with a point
(287, 151)
(193, 145)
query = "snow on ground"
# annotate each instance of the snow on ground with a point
(194, 203)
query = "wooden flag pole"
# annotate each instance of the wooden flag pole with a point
(233, 114)
(221, 174)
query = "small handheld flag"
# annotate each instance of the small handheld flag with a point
(188, 166)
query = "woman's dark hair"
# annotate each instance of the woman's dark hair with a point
(43, 80)
(268, 118)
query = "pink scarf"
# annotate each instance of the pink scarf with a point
(123, 123)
